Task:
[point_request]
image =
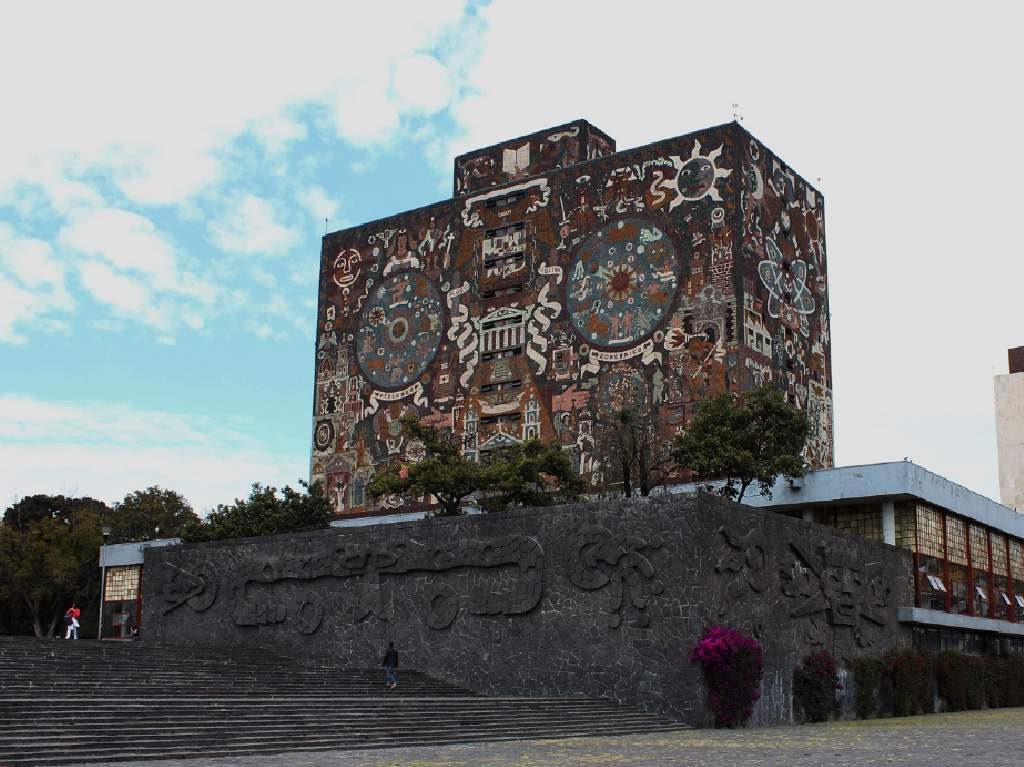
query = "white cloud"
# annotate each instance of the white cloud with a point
(277, 131)
(126, 240)
(32, 286)
(28, 259)
(423, 83)
(364, 113)
(318, 203)
(250, 225)
(133, 268)
(168, 175)
(155, 109)
(107, 451)
(19, 307)
(117, 290)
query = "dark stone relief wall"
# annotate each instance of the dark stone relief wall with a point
(602, 599)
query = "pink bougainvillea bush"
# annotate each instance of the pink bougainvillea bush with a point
(733, 664)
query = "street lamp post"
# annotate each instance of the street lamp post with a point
(106, 530)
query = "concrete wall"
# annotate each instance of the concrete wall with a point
(604, 600)
(1010, 438)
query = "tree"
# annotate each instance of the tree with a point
(138, 516)
(530, 473)
(48, 558)
(62, 508)
(444, 471)
(748, 440)
(632, 451)
(264, 513)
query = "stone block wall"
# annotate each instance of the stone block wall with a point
(604, 599)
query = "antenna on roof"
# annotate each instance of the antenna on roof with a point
(325, 226)
(736, 116)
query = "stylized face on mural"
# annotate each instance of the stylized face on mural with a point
(696, 178)
(622, 282)
(399, 330)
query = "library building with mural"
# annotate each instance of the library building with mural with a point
(563, 280)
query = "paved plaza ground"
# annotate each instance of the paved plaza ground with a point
(989, 738)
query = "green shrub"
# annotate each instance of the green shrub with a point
(867, 681)
(907, 686)
(814, 687)
(1004, 681)
(961, 680)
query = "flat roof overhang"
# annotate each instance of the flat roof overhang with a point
(899, 480)
(937, 619)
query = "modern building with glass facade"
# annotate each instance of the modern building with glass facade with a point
(968, 550)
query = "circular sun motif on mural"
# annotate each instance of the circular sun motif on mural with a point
(623, 280)
(399, 330)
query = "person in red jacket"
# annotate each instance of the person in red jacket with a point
(71, 619)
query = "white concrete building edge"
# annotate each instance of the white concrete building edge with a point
(1009, 401)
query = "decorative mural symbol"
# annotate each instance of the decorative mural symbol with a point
(400, 330)
(442, 607)
(622, 282)
(621, 563)
(346, 269)
(624, 389)
(323, 437)
(696, 176)
(828, 583)
(518, 559)
(309, 613)
(786, 280)
(746, 566)
(197, 589)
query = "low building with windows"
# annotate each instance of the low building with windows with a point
(121, 586)
(968, 549)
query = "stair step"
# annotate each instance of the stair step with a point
(79, 702)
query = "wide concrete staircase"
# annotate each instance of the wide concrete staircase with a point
(65, 702)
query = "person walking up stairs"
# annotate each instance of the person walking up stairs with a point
(391, 667)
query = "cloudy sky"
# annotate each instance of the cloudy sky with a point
(165, 174)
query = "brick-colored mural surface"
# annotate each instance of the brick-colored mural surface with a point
(534, 300)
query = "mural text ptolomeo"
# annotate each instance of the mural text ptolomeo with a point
(564, 279)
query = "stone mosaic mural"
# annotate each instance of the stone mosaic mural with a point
(562, 279)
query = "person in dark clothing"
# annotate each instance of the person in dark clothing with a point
(390, 667)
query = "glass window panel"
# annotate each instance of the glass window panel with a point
(956, 540)
(979, 548)
(930, 539)
(906, 530)
(958, 588)
(998, 553)
(122, 583)
(1017, 559)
